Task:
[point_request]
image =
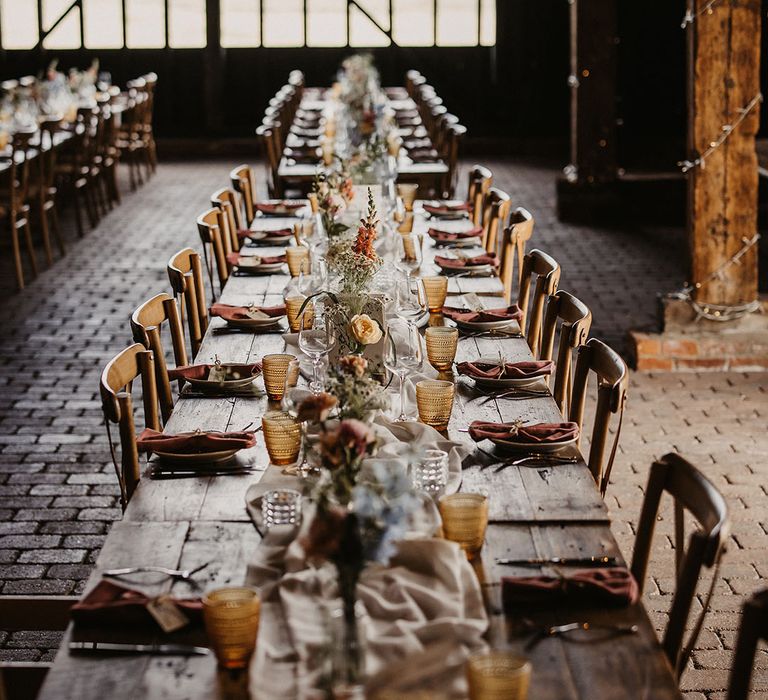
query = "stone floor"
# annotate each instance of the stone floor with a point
(58, 494)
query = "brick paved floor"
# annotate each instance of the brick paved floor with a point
(58, 492)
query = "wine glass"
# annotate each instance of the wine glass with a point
(402, 354)
(316, 339)
(409, 253)
(410, 299)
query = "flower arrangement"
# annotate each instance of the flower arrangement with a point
(354, 387)
(335, 192)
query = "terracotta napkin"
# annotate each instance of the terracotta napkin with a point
(303, 152)
(448, 236)
(201, 371)
(413, 144)
(279, 206)
(424, 156)
(512, 370)
(307, 133)
(235, 258)
(239, 313)
(447, 208)
(614, 586)
(540, 432)
(194, 443)
(461, 263)
(505, 313)
(110, 605)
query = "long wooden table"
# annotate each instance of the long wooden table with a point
(535, 512)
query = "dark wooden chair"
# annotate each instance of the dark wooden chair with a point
(546, 271)
(753, 628)
(42, 189)
(514, 238)
(612, 381)
(146, 325)
(693, 493)
(22, 680)
(496, 204)
(575, 320)
(116, 384)
(214, 234)
(243, 183)
(185, 272)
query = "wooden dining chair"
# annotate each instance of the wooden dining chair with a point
(116, 386)
(546, 271)
(42, 189)
(212, 227)
(752, 630)
(185, 272)
(227, 200)
(575, 320)
(480, 181)
(612, 382)
(496, 204)
(515, 235)
(450, 154)
(694, 494)
(147, 323)
(243, 183)
(265, 132)
(22, 680)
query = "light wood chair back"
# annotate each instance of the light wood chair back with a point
(575, 321)
(116, 384)
(480, 181)
(243, 183)
(185, 272)
(546, 270)
(496, 206)
(212, 227)
(693, 493)
(612, 382)
(450, 154)
(226, 199)
(146, 325)
(514, 238)
(753, 629)
(265, 132)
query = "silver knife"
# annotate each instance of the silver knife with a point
(560, 561)
(159, 649)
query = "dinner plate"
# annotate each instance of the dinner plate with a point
(481, 326)
(267, 237)
(534, 447)
(208, 385)
(467, 271)
(505, 382)
(216, 457)
(249, 323)
(267, 269)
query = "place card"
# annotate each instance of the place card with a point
(167, 614)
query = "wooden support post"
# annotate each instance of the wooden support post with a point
(593, 90)
(213, 75)
(724, 74)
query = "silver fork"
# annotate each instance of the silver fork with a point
(183, 574)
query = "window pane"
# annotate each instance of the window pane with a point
(145, 24)
(283, 23)
(67, 33)
(488, 22)
(103, 24)
(240, 23)
(362, 31)
(186, 24)
(457, 22)
(19, 20)
(326, 22)
(414, 22)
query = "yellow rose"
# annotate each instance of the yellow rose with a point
(365, 329)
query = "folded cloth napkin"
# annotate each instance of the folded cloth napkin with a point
(307, 133)
(424, 157)
(413, 144)
(510, 370)
(202, 371)
(110, 605)
(461, 263)
(439, 208)
(540, 432)
(237, 259)
(300, 151)
(240, 313)
(279, 206)
(614, 586)
(505, 313)
(448, 236)
(194, 443)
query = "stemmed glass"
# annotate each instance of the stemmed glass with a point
(402, 354)
(316, 340)
(410, 299)
(409, 253)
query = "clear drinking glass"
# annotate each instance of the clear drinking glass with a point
(409, 253)
(410, 299)
(281, 507)
(430, 473)
(402, 354)
(316, 340)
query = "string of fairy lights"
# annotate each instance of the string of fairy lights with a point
(717, 312)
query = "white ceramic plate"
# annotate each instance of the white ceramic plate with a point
(268, 237)
(479, 327)
(467, 271)
(533, 447)
(506, 382)
(256, 322)
(268, 269)
(197, 457)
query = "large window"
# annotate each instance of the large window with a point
(108, 24)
